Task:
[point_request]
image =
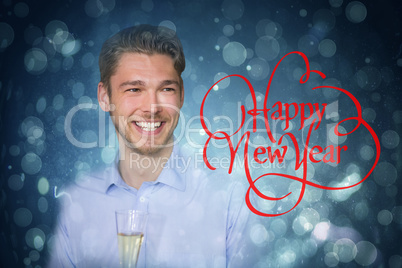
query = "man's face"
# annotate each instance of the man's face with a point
(145, 101)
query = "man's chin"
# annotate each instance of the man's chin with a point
(147, 150)
(147, 147)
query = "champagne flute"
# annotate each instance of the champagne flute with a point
(130, 233)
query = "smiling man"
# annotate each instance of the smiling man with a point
(196, 218)
(146, 96)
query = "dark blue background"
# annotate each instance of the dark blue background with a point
(367, 62)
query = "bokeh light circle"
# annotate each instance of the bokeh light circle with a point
(258, 69)
(300, 226)
(168, 24)
(232, 9)
(58, 102)
(258, 234)
(331, 259)
(336, 3)
(366, 152)
(366, 253)
(224, 83)
(345, 249)
(21, 10)
(31, 163)
(279, 227)
(384, 217)
(15, 182)
(41, 105)
(35, 238)
(267, 47)
(330, 93)
(259, 98)
(397, 214)
(147, 5)
(35, 61)
(390, 139)
(43, 204)
(43, 186)
(361, 210)
(22, 217)
(234, 53)
(265, 204)
(108, 155)
(369, 114)
(327, 48)
(56, 27)
(34, 255)
(261, 26)
(395, 261)
(308, 44)
(356, 12)
(14, 150)
(309, 248)
(6, 35)
(32, 128)
(78, 90)
(266, 27)
(70, 46)
(368, 78)
(334, 137)
(228, 30)
(324, 20)
(385, 174)
(87, 60)
(93, 8)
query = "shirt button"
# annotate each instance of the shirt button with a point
(142, 199)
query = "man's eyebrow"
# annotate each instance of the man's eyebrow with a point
(132, 83)
(169, 82)
(142, 83)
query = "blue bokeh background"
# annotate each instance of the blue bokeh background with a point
(49, 52)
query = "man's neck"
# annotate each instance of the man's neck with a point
(136, 168)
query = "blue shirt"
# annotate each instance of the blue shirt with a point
(197, 218)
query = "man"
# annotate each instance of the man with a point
(196, 218)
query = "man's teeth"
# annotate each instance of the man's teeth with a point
(148, 126)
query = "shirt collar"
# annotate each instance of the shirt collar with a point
(112, 176)
(173, 174)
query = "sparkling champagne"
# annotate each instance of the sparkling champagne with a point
(129, 248)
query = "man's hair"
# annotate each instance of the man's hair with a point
(144, 39)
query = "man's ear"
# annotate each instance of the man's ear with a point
(181, 94)
(103, 97)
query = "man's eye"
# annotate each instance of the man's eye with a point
(168, 89)
(133, 90)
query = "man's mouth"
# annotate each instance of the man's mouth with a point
(148, 126)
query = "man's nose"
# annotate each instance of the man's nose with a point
(151, 103)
